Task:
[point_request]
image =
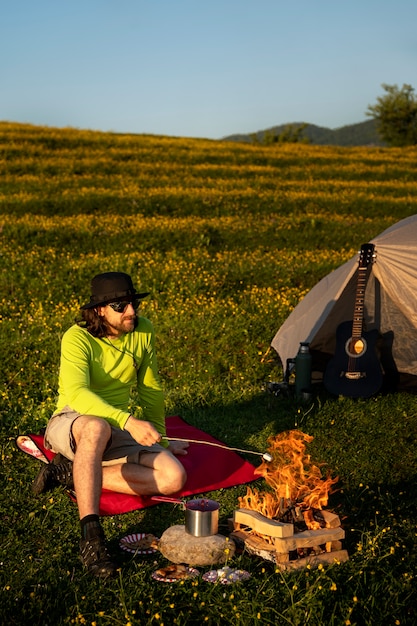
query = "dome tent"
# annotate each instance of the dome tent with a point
(390, 306)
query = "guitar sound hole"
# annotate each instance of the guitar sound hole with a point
(355, 347)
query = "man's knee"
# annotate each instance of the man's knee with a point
(94, 430)
(175, 479)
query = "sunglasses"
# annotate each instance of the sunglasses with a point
(120, 307)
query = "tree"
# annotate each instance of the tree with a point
(291, 133)
(396, 115)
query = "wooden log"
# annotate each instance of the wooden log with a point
(257, 546)
(308, 539)
(338, 556)
(263, 525)
(281, 558)
(331, 519)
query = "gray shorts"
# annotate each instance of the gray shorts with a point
(122, 448)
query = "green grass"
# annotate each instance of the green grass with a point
(227, 238)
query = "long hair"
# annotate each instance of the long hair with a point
(96, 325)
(91, 321)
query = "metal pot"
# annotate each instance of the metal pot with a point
(202, 517)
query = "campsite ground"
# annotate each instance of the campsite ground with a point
(228, 238)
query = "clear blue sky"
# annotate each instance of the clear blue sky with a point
(196, 68)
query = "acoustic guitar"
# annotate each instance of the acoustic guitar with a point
(355, 370)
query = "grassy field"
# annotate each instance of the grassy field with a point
(228, 238)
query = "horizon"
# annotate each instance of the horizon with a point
(111, 132)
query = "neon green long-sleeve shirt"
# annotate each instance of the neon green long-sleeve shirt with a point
(96, 375)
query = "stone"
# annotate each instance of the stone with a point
(178, 546)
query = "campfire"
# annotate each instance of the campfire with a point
(288, 523)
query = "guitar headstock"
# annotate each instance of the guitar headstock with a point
(367, 255)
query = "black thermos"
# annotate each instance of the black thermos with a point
(303, 370)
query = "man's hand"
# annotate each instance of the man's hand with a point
(179, 448)
(143, 432)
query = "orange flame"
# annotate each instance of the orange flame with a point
(293, 478)
(265, 503)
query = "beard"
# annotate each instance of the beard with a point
(127, 324)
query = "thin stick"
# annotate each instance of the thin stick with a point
(211, 443)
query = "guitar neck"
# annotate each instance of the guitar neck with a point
(357, 325)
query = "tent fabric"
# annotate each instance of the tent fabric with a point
(390, 303)
(208, 468)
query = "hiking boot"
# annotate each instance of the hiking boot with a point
(54, 474)
(96, 558)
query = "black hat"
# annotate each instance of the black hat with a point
(112, 286)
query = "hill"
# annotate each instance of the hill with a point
(361, 134)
